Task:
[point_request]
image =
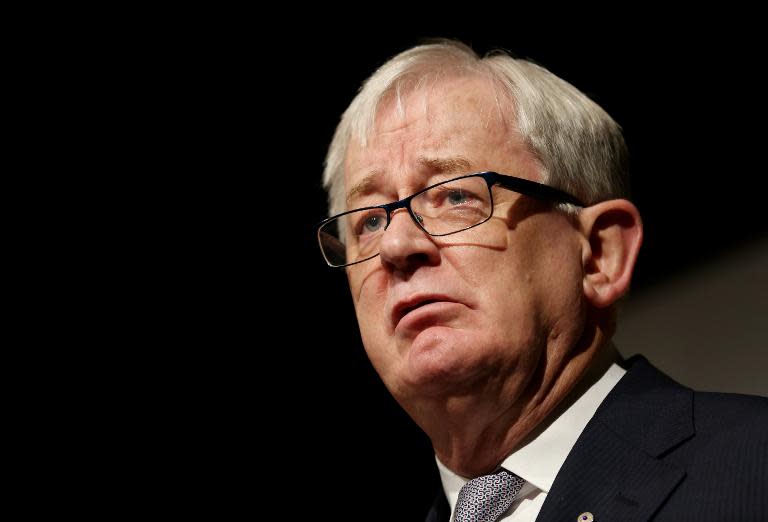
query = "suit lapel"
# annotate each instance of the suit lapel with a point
(614, 470)
(441, 510)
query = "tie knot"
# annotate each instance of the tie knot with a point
(484, 499)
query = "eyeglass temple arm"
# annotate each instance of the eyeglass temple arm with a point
(537, 190)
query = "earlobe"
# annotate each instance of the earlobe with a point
(614, 232)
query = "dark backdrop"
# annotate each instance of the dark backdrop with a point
(281, 375)
(688, 108)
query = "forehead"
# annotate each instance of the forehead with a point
(456, 118)
(441, 111)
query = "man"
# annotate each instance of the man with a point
(480, 213)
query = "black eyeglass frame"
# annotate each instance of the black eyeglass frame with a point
(522, 186)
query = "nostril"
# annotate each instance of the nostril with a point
(418, 259)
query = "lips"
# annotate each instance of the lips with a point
(406, 306)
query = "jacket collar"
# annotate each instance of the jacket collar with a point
(614, 470)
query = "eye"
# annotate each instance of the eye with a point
(372, 223)
(456, 197)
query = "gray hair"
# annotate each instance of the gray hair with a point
(579, 146)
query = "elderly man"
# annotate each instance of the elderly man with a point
(479, 209)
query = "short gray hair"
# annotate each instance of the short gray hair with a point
(580, 147)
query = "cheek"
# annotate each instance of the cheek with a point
(379, 346)
(365, 283)
(530, 274)
(550, 279)
(369, 298)
(501, 284)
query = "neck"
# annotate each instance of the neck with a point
(472, 435)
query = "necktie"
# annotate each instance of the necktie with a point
(485, 498)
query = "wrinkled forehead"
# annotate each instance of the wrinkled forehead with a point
(457, 116)
(441, 104)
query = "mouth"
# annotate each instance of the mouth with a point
(409, 305)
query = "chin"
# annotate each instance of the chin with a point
(439, 360)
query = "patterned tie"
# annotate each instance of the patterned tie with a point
(485, 498)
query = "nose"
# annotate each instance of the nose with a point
(405, 246)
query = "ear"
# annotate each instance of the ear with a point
(614, 232)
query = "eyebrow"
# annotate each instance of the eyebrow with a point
(451, 164)
(365, 186)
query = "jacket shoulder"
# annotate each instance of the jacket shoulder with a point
(740, 421)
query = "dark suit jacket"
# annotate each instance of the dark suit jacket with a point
(656, 450)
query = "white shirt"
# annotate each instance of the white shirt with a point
(539, 460)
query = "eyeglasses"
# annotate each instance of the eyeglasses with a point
(442, 209)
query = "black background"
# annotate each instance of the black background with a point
(269, 375)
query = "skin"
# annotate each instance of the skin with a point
(520, 306)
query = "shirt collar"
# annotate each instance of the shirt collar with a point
(540, 458)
